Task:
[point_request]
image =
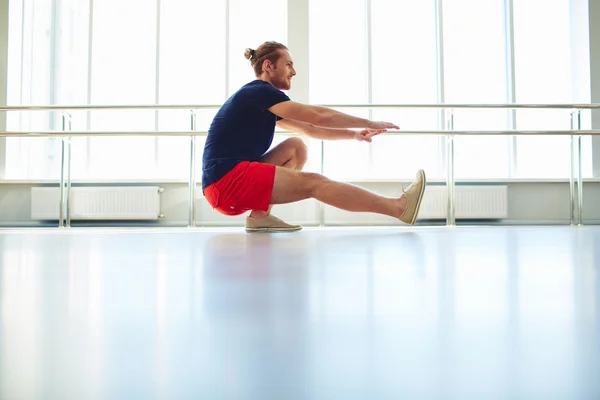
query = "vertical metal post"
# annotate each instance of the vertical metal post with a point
(61, 205)
(67, 127)
(322, 205)
(572, 176)
(64, 218)
(192, 183)
(451, 216)
(579, 176)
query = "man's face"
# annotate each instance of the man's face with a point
(283, 71)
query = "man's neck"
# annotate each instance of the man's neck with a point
(264, 79)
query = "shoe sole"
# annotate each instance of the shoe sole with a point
(420, 198)
(273, 229)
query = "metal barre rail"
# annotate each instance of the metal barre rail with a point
(450, 133)
(582, 106)
(204, 133)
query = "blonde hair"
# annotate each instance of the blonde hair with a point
(266, 51)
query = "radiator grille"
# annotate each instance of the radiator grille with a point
(98, 203)
(472, 202)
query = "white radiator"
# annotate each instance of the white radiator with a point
(472, 202)
(98, 203)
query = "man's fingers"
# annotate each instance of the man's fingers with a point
(371, 134)
(365, 138)
(367, 134)
(383, 125)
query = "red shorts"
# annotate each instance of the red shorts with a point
(248, 186)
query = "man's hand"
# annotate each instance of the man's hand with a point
(381, 125)
(366, 134)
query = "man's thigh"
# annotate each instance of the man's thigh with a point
(284, 151)
(290, 185)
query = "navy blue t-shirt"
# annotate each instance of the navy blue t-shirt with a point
(242, 130)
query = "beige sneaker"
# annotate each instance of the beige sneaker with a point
(269, 224)
(414, 195)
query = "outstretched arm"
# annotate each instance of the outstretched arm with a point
(324, 117)
(317, 132)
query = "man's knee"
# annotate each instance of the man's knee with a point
(300, 149)
(312, 182)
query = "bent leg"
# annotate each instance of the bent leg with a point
(291, 153)
(291, 186)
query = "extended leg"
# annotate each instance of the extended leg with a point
(291, 186)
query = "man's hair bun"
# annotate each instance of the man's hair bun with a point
(249, 53)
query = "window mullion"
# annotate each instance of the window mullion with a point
(510, 85)
(441, 97)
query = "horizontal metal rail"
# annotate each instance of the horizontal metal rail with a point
(204, 133)
(217, 106)
(576, 134)
(442, 106)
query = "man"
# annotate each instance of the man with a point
(239, 175)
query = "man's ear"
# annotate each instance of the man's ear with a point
(267, 65)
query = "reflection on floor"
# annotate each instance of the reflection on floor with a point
(369, 313)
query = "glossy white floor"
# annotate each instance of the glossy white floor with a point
(468, 312)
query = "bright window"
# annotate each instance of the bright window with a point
(543, 75)
(29, 54)
(475, 72)
(185, 51)
(250, 24)
(338, 74)
(123, 72)
(403, 43)
(192, 70)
